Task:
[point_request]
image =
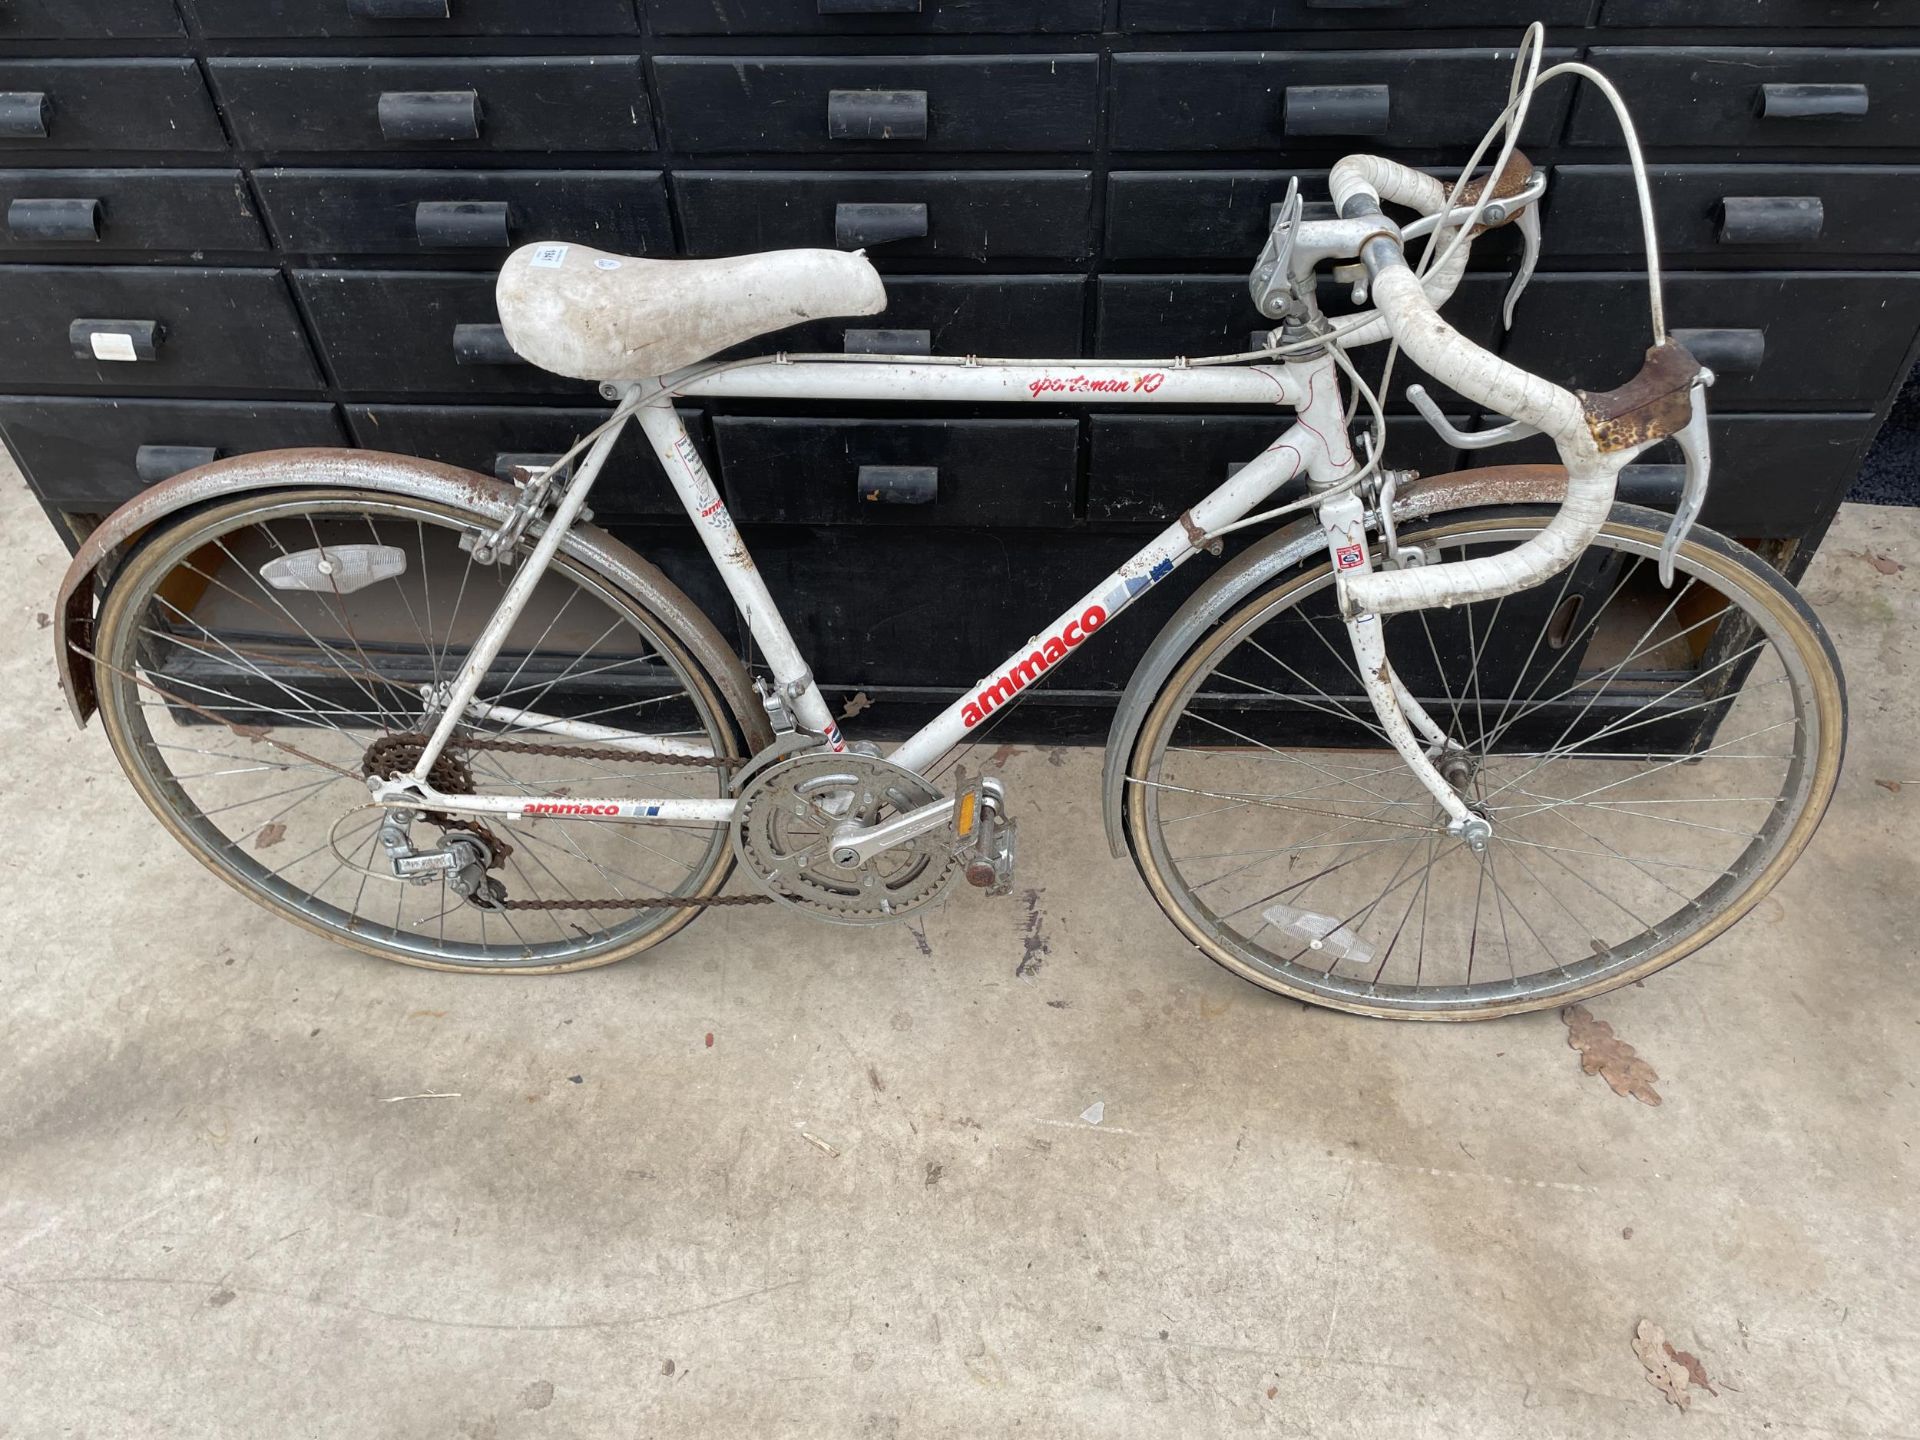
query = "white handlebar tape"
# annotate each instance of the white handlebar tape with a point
(1452, 359)
(1381, 179)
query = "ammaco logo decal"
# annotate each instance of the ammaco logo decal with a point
(1018, 676)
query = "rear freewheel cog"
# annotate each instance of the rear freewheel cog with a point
(783, 835)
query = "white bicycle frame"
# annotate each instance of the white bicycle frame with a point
(1315, 445)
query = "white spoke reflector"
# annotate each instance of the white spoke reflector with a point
(335, 569)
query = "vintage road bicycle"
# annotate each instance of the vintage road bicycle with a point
(1440, 748)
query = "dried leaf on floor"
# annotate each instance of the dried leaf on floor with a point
(822, 1146)
(860, 701)
(1605, 1054)
(1696, 1372)
(1891, 786)
(1664, 1373)
(1003, 754)
(43, 620)
(1885, 564)
(271, 833)
(249, 732)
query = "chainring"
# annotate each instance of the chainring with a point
(783, 835)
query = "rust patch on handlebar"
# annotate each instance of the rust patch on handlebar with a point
(1651, 406)
(1511, 180)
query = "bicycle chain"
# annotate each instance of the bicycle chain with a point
(416, 742)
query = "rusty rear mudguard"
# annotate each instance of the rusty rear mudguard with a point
(488, 500)
(1266, 562)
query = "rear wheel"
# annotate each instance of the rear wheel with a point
(1652, 761)
(248, 714)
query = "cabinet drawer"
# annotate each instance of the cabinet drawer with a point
(1151, 316)
(416, 333)
(562, 102)
(870, 104)
(488, 438)
(83, 212)
(107, 105)
(249, 19)
(88, 20)
(1735, 212)
(1774, 476)
(124, 328)
(1653, 13)
(849, 472)
(1706, 95)
(1002, 315)
(1151, 467)
(1833, 341)
(887, 17)
(97, 454)
(1176, 15)
(1218, 214)
(456, 213)
(1317, 99)
(981, 216)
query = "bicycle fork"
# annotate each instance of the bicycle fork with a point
(1404, 721)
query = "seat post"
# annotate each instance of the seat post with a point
(688, 473)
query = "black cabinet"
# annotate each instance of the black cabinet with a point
(227, 225)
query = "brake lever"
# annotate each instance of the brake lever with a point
(1460, 439)
(1529, 227)
(1698, 452)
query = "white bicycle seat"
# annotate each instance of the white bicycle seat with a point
(584, 313)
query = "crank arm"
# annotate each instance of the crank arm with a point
(855, 845)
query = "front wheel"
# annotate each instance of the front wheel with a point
(1652, 761)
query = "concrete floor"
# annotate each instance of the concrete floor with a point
(212, 1223)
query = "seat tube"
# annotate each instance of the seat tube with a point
(688, 473)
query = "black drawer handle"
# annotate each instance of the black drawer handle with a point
(25, 115)
(1338, 109)
(58, 221)
(1355, 4)
(1727, 352)
(154, 463)
(463, 224)
(1770, 219)
(508, 461)
(869, 7)
(888, 342)
(430, 115)
(399, 9)
(899, 484)
(116, 340)
(877, 115)
(1813, 102)
(857, 224)
(483, 345)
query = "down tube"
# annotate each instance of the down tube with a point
(1294, 453)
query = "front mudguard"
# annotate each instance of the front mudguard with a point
(1258, 567)
(489, 501)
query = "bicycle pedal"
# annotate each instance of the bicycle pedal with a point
(983, 836)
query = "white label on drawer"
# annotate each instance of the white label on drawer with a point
(549, 257)
(111, 345)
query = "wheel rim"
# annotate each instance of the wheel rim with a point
(192, 634)
(1343, 886)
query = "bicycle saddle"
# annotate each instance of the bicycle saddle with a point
(584, 313)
